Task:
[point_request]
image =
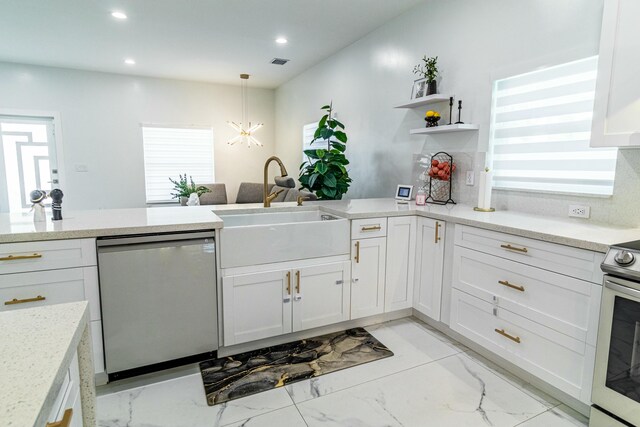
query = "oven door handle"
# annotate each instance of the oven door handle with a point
(622, 289)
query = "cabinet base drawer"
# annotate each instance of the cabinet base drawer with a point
(25, 290)
(562, 361)
(561, 259)
(365, 228)
(47, 255)
(562, 303)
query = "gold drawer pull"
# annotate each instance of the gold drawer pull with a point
(513, 248)
(437, 231)
(372, 228)
(511, 285)
(298, 281)
(357, 257)
(22, 301)
(17, 257)
(65, 421)
(504, 334)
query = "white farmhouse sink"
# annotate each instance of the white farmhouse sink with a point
(267, 237)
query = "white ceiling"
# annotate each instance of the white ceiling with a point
(204, 40)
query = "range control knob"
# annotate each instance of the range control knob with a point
(624, 258)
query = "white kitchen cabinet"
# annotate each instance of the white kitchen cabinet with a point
(368, 276)
(560, 360)
(617, 101)
(256, 306)
(321, 295)
(270, 303)
(34, 274)
(429, 265)
(67, 405)
(401, 261)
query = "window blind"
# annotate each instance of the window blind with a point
(540, 132)
(169, 152)
(308, 131)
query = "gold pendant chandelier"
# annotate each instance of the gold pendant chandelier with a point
(245, 129)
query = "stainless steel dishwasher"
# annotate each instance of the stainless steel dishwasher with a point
(158, 298)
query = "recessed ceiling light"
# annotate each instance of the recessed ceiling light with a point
(119, 15)
(281, 40)
(129, 61)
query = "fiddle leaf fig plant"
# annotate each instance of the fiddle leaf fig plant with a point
(325, 172)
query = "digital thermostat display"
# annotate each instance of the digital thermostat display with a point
(404, 192)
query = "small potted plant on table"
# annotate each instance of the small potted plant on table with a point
(183, 190)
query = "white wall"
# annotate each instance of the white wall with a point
(101, 116)
(476, 42)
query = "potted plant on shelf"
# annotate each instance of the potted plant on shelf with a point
(428, 69)
(183, 190)
(325, 173)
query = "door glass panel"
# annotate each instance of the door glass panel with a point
(27, 161)
(623, 370)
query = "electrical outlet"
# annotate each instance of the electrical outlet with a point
(470, 176)
(579, 211)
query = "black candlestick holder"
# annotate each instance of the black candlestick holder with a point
(459, 122)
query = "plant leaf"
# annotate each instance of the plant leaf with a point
(312, 154)
(340, 147)
(320, 153)
(326, 107)
(330, 192)
(329, 181)
(339, 123)
(341, 136)
(321, 168)
(326, 133)
(312, 179)
(323, 121)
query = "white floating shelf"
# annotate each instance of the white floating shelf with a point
(426, 100)
(445, 129)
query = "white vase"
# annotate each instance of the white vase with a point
(193, 200)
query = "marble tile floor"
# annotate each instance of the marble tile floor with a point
(431, 381)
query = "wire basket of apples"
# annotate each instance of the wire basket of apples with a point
(440, 178)
(442, 168)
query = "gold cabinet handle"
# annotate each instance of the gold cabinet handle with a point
(437, 231)
(65, 421)
(513, 248)
(357, 257)
(22, 301)
(511, 285)
(511, 337)
(372, 228)
(298, 281)
(288, 283)
(17, 257)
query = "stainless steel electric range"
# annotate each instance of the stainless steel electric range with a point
(616, 382)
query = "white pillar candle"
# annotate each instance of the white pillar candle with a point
(484, 189)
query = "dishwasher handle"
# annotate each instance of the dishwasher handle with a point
(154, 238)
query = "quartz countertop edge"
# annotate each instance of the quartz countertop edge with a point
(109, 222)
(36, 347)
(573, 232)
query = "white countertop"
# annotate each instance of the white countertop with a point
(83, 224)
(36, 348)
(570, 231)
(108, 222)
